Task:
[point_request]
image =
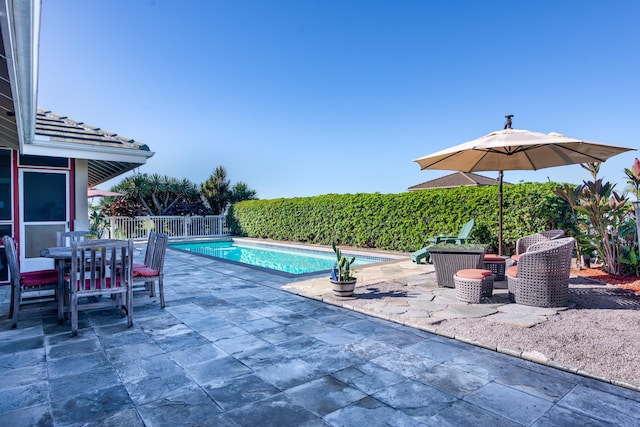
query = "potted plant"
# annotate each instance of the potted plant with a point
(343, 282)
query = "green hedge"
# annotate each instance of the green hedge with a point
(403, 222)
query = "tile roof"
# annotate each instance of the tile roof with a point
(64, 129)
(456, 179)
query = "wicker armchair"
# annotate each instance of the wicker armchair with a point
(541, 278)
(524, 242)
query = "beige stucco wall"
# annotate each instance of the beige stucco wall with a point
(81, 221)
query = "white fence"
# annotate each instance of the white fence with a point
(138, 227)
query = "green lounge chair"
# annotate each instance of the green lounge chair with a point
(461, 238)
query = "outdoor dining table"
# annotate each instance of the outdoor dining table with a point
(62, 256)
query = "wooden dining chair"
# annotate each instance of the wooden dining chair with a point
(66, 238)
(101, 269)
(152, 271)
(36, 283)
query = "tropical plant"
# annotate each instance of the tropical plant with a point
(633, 177)
(571, 195)
(601, 214)
(216, 192)
(156, 194)
(342, 269)
(241, 191)
(97, 222)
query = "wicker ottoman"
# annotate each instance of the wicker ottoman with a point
(473, 284)
(496, 264)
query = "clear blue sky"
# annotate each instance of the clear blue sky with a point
(308, 97)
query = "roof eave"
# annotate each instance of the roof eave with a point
(44, 146)
(20, 21)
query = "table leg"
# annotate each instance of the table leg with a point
(61, 293)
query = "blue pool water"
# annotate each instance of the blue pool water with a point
(279, 258)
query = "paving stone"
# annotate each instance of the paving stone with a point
(239, 391)
(288, 373)
(415, 398)
(92, 381)
(608, 408)
(404, 363)
(276, 411)
(558, 416)
(337, 336)
(152, 388)
(392, 309)
(157, 365)
(74, 347)
(23, 396)
(528, 310)
(23, 376)
(190, 406)
(451, 380)
(96, 405)
(436, 350)
(427, 305)
(39, 415)
(517, 319)
(511, 403)
(370, 412)
(368, 377)
(462, 413)
(460, 311)
(546, 386)
(324, 395)
(224, 367)
(198, 354)
(368, 348)
(22, 359)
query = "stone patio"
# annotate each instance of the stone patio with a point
(234, 349)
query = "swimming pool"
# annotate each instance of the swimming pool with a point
(286, 259)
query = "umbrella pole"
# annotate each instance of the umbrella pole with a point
(500, 214)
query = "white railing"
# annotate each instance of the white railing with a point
(138, 227)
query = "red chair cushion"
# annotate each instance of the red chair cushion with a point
(515, 257)
(145, 271)
(473, 273)
(39, 278)
(512, 271)
(493, 258)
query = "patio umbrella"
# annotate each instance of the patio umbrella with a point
(516, 149)
(96, 192)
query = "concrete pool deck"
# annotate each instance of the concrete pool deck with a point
(233, 349)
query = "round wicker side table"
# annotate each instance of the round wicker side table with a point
(496, 264)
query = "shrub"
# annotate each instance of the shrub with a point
(403, 222)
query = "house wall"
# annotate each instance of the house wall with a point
(12, 167)
(81, 177)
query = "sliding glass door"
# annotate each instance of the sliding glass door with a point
(44, 197)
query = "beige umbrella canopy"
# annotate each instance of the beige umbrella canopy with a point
(516, 149)
(96, 192)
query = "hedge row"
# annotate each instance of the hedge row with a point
(403, 222)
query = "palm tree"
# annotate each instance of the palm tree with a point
(241, 191)
(216, 190)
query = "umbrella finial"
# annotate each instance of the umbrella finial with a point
(507, 124)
